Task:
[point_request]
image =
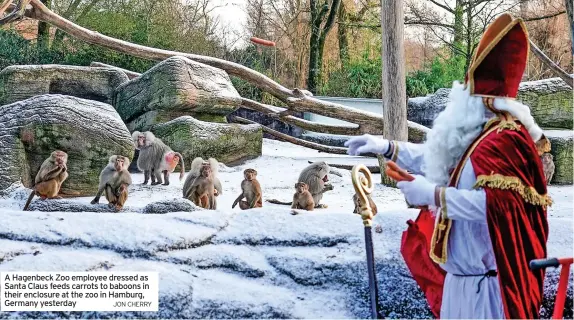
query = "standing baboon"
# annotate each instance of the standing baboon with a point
(302, 199)
(152, 157)
(202, 184)
(50, 177)
(250, 190)
(114, 180)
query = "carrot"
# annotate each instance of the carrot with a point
(262, 42)
(398, 173)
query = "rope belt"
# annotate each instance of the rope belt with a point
(490, 273)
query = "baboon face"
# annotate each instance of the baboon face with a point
(141, 141)
(206, 170)
(60, 157)
(119, 165)
(547, 157)
(301, 187)
(249, 174)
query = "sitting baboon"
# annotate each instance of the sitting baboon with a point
(114, 181)
(50, 177)
(302, 199)
(202, 184)
(357, 203)
(250, 190)
(315, 176)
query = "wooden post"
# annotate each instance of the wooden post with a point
(394, 85)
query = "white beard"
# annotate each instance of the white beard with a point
(458, 125)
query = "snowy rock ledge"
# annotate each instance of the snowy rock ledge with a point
(260, 263)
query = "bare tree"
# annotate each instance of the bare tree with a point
(570, 13)
(394, 85)
(322, 21)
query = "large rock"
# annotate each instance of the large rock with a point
(228, 143)
(23, 82)
(89, 131)
(175, 87)
(550, 102)
(562, 151)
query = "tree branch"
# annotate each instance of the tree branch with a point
(551, 65)
(288, 138)
(545, 17)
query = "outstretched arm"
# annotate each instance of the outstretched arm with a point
(407, 155)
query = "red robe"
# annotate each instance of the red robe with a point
(506, 163)
(509, 169)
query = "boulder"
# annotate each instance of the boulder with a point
(23, 82)
(562, 151)
(89, 131)
(175, 87)
(171, 205)
(550, 102)
(228, 143)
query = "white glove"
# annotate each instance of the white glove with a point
(365, 144)
(419, 192)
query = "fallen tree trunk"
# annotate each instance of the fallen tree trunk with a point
(288, 138)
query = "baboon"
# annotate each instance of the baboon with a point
(114, 181)
(202, 184)
(302, 199)
(358, 204)
(168, 164)
(250, 190)
(548, 166)
(152, 154)
(50, 177)
(315, 177)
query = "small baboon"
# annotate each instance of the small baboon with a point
(315, 176)
(202, 185)
(357, 203)
(114, 181)
(548, 166)
(302, 199)
(50, 177)
(152, 154)
(250, 190)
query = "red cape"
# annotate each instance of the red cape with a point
(507, 166)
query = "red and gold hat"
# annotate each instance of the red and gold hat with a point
(500, 59)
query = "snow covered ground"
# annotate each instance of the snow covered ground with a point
(260, 263)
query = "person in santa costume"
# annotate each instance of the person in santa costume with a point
(480, 172)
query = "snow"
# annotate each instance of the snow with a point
(559, 133)
(229, 263)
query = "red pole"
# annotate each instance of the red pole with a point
(562, 288)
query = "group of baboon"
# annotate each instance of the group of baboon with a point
(202, 185)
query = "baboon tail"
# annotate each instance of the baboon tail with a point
(275, 201)
(29, 200)
(182, 172)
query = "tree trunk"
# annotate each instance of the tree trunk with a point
(394, 85)
(570, 13)
(343, 38)
(44, 29)
(457, 42)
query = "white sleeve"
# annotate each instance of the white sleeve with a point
(458, 204)
(407, 155)
(464, 203)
